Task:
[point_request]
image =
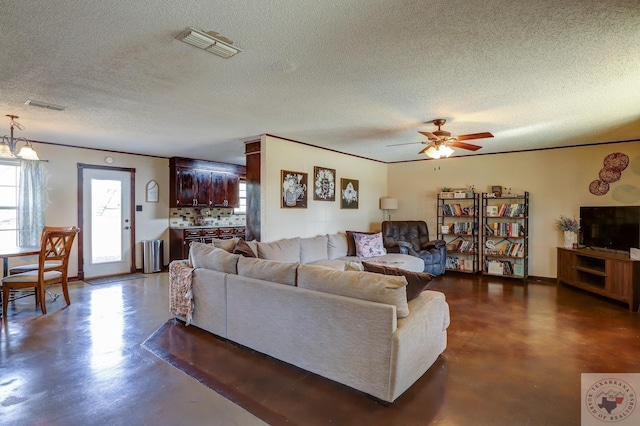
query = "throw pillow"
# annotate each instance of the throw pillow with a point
(351, 245)
(417, 282)
(227, 244)
(369, 245)
(353, 266)
(244, 249)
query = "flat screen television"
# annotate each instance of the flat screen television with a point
(614, 228)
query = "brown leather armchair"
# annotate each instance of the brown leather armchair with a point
(412, 237)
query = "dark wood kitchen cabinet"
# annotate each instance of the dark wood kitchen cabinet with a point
(225, 189)
(193, 187)
(198, 183)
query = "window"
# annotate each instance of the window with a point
(242, 199)
(9, 180)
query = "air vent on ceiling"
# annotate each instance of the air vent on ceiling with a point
(44, 105)
(208, 42)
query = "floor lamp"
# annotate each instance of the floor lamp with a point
(387, 204)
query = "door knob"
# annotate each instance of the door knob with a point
(126, 227)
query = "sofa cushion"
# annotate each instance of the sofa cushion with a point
(417, 282)
(369, 245)
(243, 248)
(268, 270)
(351, 244)
(285, 250)
(210, 257)
(359, 285)
(227, 244)
(337, 245)
(313, 249)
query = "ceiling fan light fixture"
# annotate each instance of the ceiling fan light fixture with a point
(445, 151)
(433, 152)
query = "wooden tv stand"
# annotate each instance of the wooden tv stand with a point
(609, 274)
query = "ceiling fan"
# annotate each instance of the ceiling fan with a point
(440, 142)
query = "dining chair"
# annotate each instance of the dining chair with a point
(53, 262)
(34, 266)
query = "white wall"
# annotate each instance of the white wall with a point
(557, 181)
(61, 195)
(320, 217)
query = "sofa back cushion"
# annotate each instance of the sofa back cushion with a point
(285, 250)
(313, 249)
(359, 285)
(337, 246)
(210, 257)
(268, 270)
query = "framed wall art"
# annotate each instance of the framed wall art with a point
(294, 189)
(324, 184)
(152, 191)
(349, 194)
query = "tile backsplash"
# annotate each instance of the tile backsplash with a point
(183, 217)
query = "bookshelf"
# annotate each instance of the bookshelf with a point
(458, 225)
(505, 235)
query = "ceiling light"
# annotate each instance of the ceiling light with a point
(433, 152)
(8, 145)
(44, 105)
(445, 151)
(208, 42)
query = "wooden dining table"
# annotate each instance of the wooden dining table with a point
(7, 252)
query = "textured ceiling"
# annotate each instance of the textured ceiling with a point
(354, 76)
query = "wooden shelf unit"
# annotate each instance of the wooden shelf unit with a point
(456, 214)
(506, 232)
(609, 274)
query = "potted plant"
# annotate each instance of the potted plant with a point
(570, 227)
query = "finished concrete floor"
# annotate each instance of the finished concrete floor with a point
(514, 357)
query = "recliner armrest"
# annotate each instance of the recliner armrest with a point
(433, 244)
(402, 247)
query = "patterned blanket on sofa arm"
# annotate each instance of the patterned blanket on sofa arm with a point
(180, 295)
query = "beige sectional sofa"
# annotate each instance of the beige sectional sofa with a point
(330, 250)
(356, 328)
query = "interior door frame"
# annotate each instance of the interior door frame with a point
(132, 173)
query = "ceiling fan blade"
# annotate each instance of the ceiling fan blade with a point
(429, 135)
(474, 136)
(405, 143)
(425, 149)
(465, 145)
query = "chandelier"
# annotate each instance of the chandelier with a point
(9, 145)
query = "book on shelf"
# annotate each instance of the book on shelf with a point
(518, 269)
(495, 267)
(492, 211)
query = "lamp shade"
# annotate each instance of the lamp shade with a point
(387, 203)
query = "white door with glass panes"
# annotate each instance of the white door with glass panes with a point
(106, 222)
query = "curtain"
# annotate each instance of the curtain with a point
(30, 203)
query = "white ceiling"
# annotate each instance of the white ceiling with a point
(351, 75)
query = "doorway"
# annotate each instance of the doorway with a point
(107, 220)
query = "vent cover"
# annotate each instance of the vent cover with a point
(208, 42)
